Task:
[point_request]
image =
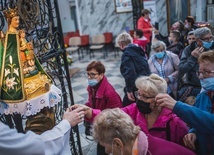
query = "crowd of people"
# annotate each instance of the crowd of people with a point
(168, 101)
(168, 95)
(178, 70)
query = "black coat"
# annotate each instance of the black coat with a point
(133, 65)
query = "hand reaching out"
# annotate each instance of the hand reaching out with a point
(74, 117)
(87, 110)
(164, 100)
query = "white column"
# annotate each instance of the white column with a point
(78, 17)
(201, 10)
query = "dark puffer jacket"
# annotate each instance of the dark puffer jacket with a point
(133, 65)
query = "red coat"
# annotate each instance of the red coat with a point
(106, 96)
(141, 43)
(145, 26)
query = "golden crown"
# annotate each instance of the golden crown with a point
(10, 13)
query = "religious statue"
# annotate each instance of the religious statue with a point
(25, 86)
(27, 56)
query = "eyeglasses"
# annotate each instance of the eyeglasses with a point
(207, 39)
(137, 95)
(91, 75)
(205, 74)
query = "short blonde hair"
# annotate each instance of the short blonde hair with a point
(124, 39)
(114, 123)
(152, 84)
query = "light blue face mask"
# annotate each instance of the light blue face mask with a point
(160, 55)
(92, 82)
(207, 83)
(207, 45)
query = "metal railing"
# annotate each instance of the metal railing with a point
(41, 21)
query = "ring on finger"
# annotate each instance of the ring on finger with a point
(80, 116)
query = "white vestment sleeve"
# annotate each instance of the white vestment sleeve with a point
(13, 143)
(57, 140)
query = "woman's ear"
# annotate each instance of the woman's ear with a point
(118, 144)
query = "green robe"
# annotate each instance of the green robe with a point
(11, 80)
(12, 77)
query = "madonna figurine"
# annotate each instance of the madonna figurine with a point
(25, 87)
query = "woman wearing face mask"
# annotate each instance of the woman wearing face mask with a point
(116, 131)
(200, 116)
(101, 94)
(165, 64)
(189, 26)
(159, 122)
(189, 23)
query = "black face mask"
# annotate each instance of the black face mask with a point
(143, 107)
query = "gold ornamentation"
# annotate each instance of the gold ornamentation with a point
(36, 85)
(10, 13)
(41, 122)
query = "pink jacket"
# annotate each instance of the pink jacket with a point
(166, 121)
(106, 96)
(159, 146)
(176, 127)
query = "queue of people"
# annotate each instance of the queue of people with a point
(154, 96)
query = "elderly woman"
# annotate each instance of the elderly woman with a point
(115, 130)
(101, 94)
(165, 64)
(159, 122)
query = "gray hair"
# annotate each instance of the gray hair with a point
(200, 32)
(114, 123)
(157, 44)
(124, 39)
